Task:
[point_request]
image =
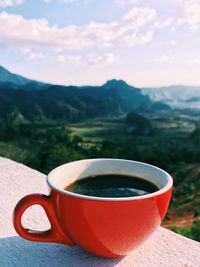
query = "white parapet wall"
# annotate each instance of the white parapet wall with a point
(164, 248)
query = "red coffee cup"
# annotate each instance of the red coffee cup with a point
(106, 227)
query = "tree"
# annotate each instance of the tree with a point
(195, 136)
(137, 124)
(59, 154)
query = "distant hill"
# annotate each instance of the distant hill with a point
(70, 102)
(9, 77)
(16, 81)
(177, 96)
(34, 100)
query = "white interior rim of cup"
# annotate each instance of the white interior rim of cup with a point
(70, 172)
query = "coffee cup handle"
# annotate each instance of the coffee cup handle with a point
(54, 234)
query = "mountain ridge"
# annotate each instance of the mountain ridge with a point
(8, 76)
(112, 98)
(34, 100)
(175, 95)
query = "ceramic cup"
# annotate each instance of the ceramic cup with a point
(106, 227)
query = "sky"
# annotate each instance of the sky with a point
(87, 42)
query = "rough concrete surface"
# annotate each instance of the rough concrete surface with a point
(164, 248)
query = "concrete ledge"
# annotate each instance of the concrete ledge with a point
(164, 248)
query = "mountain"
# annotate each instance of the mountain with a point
(33, 100)
(117, 84)
(178, 96)
(16, 81)
(9, 77)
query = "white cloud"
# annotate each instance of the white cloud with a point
(180, 21)
(64, 59)
(58, 49)
(60, 1)
(34, 56)
(106, 44)
(173, 28)
(30, 54)
(139, 16)
(126, 2)
(7, 3)
(25, 50)
(163, 23)
(196, 61)
(138, 38)
(163, 58)
(190, 14)
(61, 58)
(173, 42)
(17, 31)
(66, 1)
(102, 60)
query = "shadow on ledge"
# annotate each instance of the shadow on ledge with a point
(15, 251)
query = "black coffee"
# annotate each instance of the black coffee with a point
(112, 185)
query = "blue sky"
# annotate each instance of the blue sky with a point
(146, 43)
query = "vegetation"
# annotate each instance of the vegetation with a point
(70, 103)
(190, 232)
(195, 136)
(137, 124)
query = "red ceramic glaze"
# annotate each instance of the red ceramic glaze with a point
(105, 227)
